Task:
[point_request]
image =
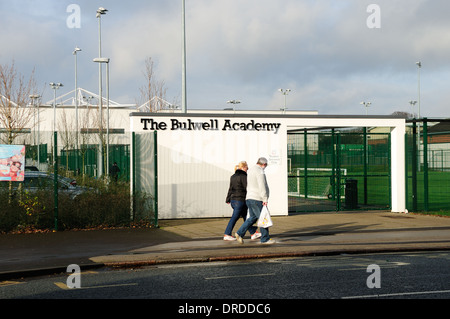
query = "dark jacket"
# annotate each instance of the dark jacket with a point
(238, 186)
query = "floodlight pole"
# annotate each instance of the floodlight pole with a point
(183, 57)
(284, 92)
(100, 61)
(55, 86)
(100, 12)
(419, 66)
(234, 102)
(75, 51)
(366, 104)
(35, 98)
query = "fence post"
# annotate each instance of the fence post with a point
(155, 162)
(425, 163)
(133, 175)
(305, 141)
(414, 167)
(338, 171)
(406, 171)
(390, 170)
(365, 157)
(55, 179)
(333, 163)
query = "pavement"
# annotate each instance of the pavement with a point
(201, 240)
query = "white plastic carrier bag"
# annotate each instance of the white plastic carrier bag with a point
(265, 221)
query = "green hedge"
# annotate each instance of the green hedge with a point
(98, 207)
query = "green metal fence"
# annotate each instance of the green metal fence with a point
(85, 160)
(99, 201)
(144, 171)
(338, 170)
(428, 164)
(81, 159)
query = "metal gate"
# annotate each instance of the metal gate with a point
(332, 170)
(144, 177)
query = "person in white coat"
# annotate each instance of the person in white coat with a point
(257, 197)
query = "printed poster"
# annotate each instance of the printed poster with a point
(12, 163)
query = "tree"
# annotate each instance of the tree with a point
(154, 90)
(403, 114)
(86, 122)
(15, 93)
(67, 133)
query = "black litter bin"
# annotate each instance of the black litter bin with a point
(351, 194)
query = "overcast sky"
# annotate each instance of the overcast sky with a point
(331, 54)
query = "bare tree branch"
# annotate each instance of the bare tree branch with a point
(15, 111)
(154, 90)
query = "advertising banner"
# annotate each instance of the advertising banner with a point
(12, 162)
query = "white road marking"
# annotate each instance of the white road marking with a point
(400, 294)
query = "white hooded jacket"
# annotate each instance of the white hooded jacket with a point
(257, 188)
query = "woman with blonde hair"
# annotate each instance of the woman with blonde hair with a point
(236, 197)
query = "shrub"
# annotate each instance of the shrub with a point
(100, 206)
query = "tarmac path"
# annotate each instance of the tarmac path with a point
(200, 240)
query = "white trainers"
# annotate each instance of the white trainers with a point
(228, 237)
(239, 238)
(269, 242)
(256, 235)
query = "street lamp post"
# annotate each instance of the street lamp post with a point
(75, 51)
(106, 60)
(419, 66)
(366, 104)
(34, 98)
(412, 104)
(284, 92)
(55, 86)
(366, 149)
(100, 12)
(234, 102)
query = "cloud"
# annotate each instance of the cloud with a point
(322, 50)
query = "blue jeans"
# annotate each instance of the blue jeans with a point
(254, 208)
(239, 210)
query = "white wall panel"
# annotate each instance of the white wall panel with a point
(195, 168)
(195, 163)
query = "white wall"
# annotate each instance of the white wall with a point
(194, 165)
(119, 118)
